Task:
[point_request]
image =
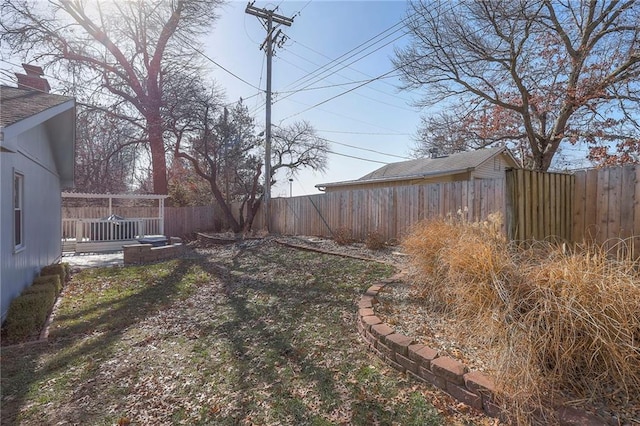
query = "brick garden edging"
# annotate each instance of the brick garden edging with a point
(425, 364)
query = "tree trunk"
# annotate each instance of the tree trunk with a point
(158, 158)
(251, 213)
(228, 214)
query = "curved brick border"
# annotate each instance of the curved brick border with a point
(473, 388)
(425, 364)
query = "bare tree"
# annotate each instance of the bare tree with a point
(539, 72)
(295, 147)
(106, 151)
(446, 133)
(222, 147)
(130, 49)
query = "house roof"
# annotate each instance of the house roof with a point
(23, 109)
(19, 104)
(426, 167)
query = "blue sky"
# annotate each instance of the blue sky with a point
(375, 117)
(330, 43)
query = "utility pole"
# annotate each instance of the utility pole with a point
(268, 16)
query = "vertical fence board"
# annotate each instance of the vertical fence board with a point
(636, 220)
(591, 206)
(627, 197)
(613, 216)
(602, 206)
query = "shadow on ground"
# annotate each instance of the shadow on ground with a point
(280, 347)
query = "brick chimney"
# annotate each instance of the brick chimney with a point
(33, 79)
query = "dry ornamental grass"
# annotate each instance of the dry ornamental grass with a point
(557, 326)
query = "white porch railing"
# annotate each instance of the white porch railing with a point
(83, 235)
(97, 235)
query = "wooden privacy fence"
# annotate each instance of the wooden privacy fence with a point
(389, 211)
(593, 206)
(599, 205)
(186, 220)
(607, 206)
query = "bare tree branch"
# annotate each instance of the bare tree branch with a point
(554, 65)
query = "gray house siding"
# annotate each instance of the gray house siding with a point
(41, 213)
(37, 138)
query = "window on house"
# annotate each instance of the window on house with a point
(18, 210)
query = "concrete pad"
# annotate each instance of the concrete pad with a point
(93, 260)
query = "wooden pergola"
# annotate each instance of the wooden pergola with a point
(91, 234)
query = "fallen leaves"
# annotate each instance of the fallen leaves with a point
(254, 343)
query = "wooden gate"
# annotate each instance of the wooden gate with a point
(539, 205)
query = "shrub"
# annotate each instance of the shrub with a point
(67, 270)
(27, 314)
(53, 280)
(48, 287)
(343, 236)
(426, 240)
(55, 269)
(577, 326)
(375, 241)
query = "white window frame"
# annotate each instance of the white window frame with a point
(18, 211)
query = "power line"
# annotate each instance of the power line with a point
(319, 78)
(229, 72)
(303, 8)
(364, 133)
(353, 156)
(258, 108)
(11, 79)
(243, 99)
(328, 86)
(365, 149)
(372, 79)
(396, 96)
(354, 69)
(341, 115)
(307, 88)
(310, 75)
(355, 147)
(342, 93)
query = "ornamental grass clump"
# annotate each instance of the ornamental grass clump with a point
(575, 330)
(425, 244)
(555, 325)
